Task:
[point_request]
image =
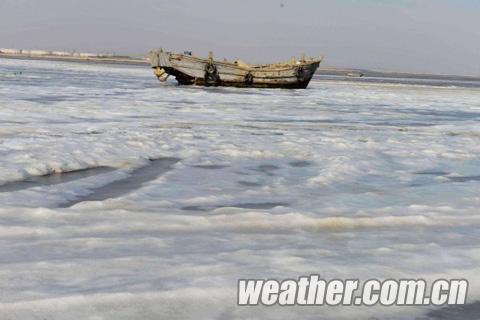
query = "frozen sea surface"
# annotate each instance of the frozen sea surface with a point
(122, 198)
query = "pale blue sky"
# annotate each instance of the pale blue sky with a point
(434, 36)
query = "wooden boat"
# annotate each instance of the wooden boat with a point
(191, 70)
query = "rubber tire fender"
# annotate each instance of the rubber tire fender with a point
(300, 73)
(249, 78)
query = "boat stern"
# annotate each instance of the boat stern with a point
(159, 58)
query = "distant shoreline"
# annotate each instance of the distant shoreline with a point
(100, 60)
(397, 75)
(327, 71)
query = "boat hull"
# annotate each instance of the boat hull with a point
(189, 70)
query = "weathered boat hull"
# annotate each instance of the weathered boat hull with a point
(189, 70)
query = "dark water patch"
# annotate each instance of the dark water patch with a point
(56, 121)
(134, 181)
(444, 115)
(250, 127)
(14, 122)
(196, 208)
(300, 121)
(85, 119)
(267, 134)
(89, 132)
(393, 123)
(403, 124)
(49, 99)
(464, 179)
(300, 164)
(433, 173)
(446, 177)
(191, 102)
(249, 184)
(267, 167)
(259, 205)
(469, 311)
(248, 205)
(463, 133)
(269, 126)
(211, 166)
(419, 184)
(242, 173)
(54, 178)
(138, 117)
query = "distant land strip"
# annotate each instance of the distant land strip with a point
(127, 60)
(72, 57)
